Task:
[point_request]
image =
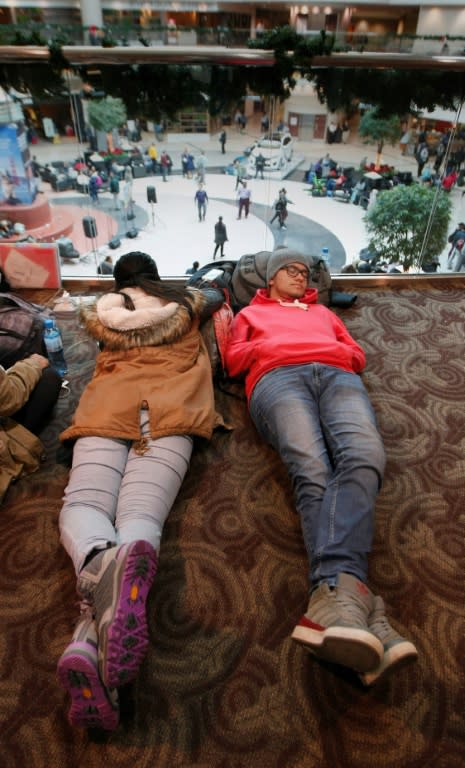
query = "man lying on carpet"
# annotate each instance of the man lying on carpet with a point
(151, 392)
(307, 400)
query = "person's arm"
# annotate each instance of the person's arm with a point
(17, 383)
(343, 335)
(240, 349)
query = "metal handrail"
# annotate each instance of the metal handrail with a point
(88, 54)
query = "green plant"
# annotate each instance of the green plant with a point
(377, 129)
(400, 219)
(107, 114)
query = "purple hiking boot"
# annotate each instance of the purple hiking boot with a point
(118, 581)
(92, 705)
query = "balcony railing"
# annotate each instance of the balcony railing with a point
(123, 34)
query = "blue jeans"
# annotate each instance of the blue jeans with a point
(321, 422)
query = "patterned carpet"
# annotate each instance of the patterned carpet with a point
(223, 686)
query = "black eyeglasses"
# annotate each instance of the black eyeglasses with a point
(294, 271)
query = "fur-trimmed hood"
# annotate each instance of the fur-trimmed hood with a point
(153, 321)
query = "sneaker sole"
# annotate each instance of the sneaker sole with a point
(395, 658)
(123, 635)
(90, 707)
(351, 647)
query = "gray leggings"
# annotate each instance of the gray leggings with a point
(116, 496)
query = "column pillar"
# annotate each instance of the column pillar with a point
(91, 13)
(253, 22)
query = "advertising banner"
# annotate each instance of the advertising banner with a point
(30, 265)
(17, 182)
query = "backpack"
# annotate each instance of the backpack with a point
(424, 154)
(220, 277)
(21, 329)
(249, 275)
(215, 330)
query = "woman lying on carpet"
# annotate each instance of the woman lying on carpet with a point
(151, 392)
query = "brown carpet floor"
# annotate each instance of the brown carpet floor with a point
(223, 686)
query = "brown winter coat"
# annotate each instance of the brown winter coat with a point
(20, 451)
(153, 357)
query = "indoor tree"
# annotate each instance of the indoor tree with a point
(106, 115)
(400, 219)
(393, 91)
(377, 129)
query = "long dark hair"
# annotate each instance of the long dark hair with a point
(137, 269)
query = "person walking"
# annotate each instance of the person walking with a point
(259, 165)
(222, 139)
(280, 208)
(185, 162)
(150, 394)
(115, 189)
(244, 197)
(201, 165)
(94, 186)
(126, 195)
(221, 237)
(240, 171)
(165, 164)
(201, 200)
(306, 399)
(153, 154)
(457, 242)
(190, 165)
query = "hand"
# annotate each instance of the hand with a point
(39, 360)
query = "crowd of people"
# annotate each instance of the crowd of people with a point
(361, 185)
(356, 185)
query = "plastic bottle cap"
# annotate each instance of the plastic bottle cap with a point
(48, 322)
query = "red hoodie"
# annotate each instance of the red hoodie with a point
(267, 335)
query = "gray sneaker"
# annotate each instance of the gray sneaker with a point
(397, 650)
(117, 581)
(92, 705)
(335, 626)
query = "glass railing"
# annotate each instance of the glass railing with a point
(339, 221)
(36, 32)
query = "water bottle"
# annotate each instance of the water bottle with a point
(325, 255)
(54, 346)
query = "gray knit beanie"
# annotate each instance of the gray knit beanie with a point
(282, 256)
